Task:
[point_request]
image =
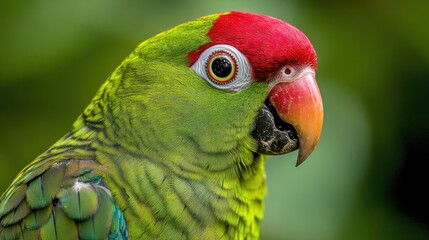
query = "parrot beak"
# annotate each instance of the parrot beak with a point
(299, 103)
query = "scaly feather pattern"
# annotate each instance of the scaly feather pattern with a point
(61, 196)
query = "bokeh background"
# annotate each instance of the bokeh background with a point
(369, 176)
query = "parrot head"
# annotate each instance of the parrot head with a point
(262, 48)
(221, 83)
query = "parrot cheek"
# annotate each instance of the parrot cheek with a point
(291, 118)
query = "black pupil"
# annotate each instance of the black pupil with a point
(221, 67)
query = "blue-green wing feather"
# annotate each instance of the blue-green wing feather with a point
(64, 200)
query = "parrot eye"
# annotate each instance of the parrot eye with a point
(221, 67)
(224, 67)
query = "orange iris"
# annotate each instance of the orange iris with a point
(221, 67)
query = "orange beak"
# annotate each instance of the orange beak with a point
(299, 103)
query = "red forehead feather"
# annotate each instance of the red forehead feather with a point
(267, 42)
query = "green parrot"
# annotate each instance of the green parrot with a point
(173, 145)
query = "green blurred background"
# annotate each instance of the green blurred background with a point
(369, 176)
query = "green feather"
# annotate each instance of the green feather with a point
(35, 194)
(16, 215)
(10, 233)
(30, 234)
(79, 202)
(42, 189)
(59, 226)
(12, 199)
(52, 181)
(35, 169)
(37, 218)
(98, 226)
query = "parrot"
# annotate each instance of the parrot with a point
(174, 143)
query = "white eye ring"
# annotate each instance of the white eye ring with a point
(237, 80)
